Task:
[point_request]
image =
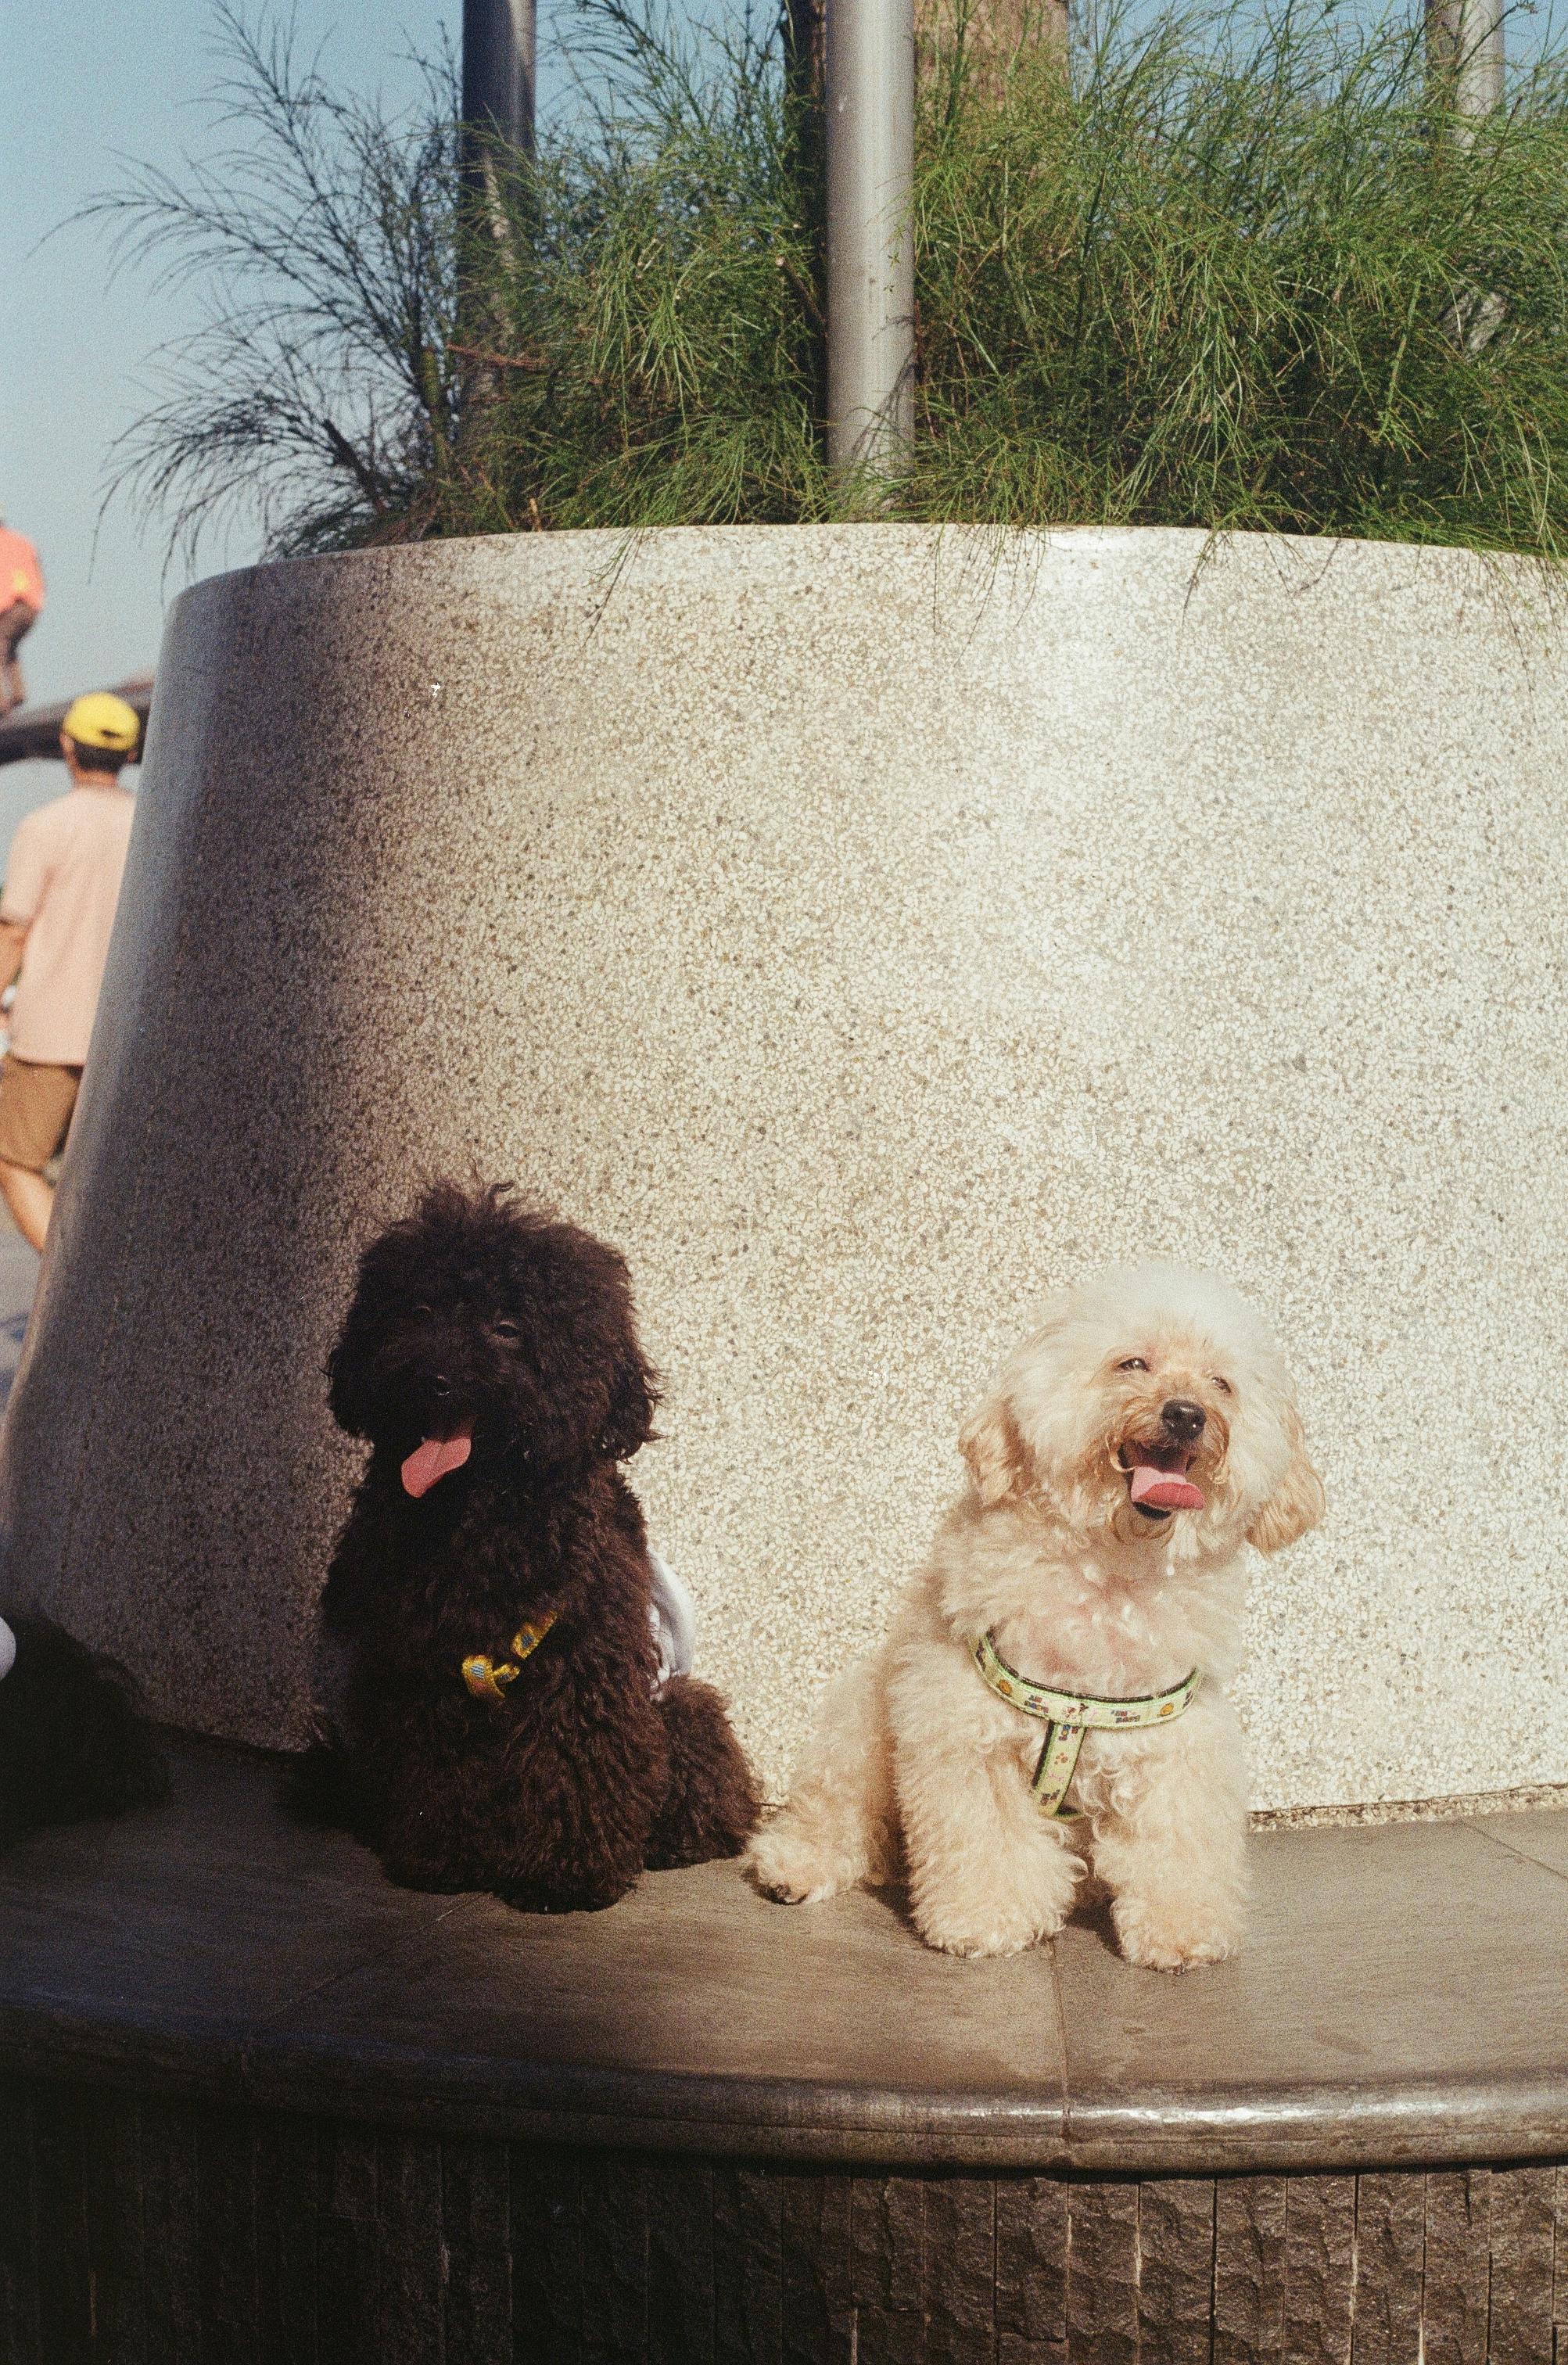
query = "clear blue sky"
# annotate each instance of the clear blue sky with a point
(86, 87)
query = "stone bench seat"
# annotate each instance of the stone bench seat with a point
(716, 2105)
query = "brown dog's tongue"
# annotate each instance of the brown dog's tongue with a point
(1164, 1490)
(433, 1460)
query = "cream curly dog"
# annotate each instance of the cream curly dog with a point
(1131, 1447)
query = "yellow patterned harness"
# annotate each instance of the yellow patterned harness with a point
(1068, 1716)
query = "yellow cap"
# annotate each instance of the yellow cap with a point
(102, 720)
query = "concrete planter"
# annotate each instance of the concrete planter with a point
(863, 927)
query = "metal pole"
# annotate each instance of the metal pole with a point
(499, 60)
(498, 56)
(1464, 42)
(870, 236)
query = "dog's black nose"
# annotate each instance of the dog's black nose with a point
(1183, 1419)
(442, 1386)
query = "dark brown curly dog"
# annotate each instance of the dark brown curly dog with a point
(72, 1742)
(490, 1356)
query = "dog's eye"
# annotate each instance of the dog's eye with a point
(1133, 1363)
(426, 1311)
(505, 1330)
(1224, 1386)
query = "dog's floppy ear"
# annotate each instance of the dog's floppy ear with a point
(346, 1391)
(997, 1456)
(629, 1420)
(1296, 1503)
(350, 1364)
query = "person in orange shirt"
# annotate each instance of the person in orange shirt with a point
(21, 604)
(61, 886)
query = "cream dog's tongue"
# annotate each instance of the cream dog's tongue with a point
(1162, 1490)
(433, 1460)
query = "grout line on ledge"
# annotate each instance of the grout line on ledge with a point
(1456, 1810)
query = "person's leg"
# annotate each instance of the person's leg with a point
(36, 1104)
(13, 688)
(30, 1200)
(16, 621)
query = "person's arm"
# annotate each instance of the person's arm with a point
(27, 878)
(13, 943)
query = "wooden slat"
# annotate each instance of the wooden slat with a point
(615, 2257)
(166, 2141)
(18, 2261)
(680, 2264)
(886, 2269)
(354, 2167)
(546, 2257)
(1102, 2274)
(116, 2232)
(66, 2297)
(816, 2303)
(1176, 2246)
(1249, 2270)
(1457, 2281)
(1320, 2270)
(288, 2210)
(748, 2268)
(960, 2270)
(226, 2239)
(1522, 2226)
(411, 2260)
(348, 2249)
(476, 2215)
(1030, 2270)
(1390, 2225)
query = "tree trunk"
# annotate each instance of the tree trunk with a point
(1466, 51)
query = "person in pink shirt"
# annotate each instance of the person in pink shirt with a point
(21, 604)
(61, 886)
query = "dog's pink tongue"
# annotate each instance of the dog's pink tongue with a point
(1162, 1490)
(432, 1459)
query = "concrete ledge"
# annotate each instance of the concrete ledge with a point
(1402, 2004)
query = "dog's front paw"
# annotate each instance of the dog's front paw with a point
(785, 1864)
(1169, 1939)
(985, 1927)
(999, 1939)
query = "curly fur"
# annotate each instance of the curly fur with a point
(482, 1312)
(72, 1742)
(918, 1766)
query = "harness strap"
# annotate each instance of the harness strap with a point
(486, 1679)
(1068, 1716)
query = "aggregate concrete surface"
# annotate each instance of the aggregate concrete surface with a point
(865, 928)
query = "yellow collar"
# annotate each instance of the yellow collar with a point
(485, 1680)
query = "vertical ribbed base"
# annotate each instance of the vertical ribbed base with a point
(134, 2230)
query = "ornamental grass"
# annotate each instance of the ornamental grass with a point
(1229, 269)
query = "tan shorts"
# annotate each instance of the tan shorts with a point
(35, 1102)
